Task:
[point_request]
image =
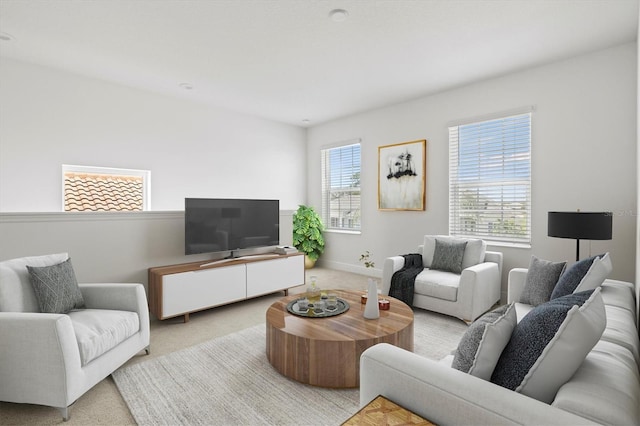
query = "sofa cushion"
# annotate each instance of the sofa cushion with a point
(56, 288)
(438, 284)
(16, 291)
(621, 330)
(586, 274)
(483, 342)
(522, 309)
(473, 254)
(542, 277)
(605, 388)
(550, 343)
(620, 294)
(448, 255)
(99, 330)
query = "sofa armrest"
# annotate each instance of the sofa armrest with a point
(444, 395)
(390, 267)
(38, 358)
(517, 279)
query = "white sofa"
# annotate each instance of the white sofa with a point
(604, 390)
(467, 295)
(53, 359)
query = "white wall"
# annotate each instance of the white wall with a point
(583, 157)
(108, 247)
(52, 117)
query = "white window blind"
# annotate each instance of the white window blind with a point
(341, 187)
(490, 179)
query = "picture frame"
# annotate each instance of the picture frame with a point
(402, 173)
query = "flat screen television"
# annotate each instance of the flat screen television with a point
(214, 225)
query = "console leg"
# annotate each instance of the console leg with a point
(186, 318)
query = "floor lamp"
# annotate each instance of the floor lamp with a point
(580, 226)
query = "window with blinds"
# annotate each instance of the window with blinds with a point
(341, 187)
(490, 179)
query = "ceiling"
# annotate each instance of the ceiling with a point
(286, 60)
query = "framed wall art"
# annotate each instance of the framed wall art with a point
(402, 176)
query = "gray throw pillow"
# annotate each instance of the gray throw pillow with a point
(550, 343)
(542, 277)
(448, 255)
(570, 279)
(483, 342)
(56, 288)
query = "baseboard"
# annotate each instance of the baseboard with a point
(347, 267)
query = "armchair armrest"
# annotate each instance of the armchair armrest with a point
(495, 257)
(479, 288)
(448, 396)
(390, 267)
(517, 279)
(120, 297)
(38, 356)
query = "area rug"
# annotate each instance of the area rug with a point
(228, 381)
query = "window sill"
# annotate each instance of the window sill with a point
(510, 245)
(342, 231)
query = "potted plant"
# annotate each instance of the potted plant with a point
(307, 234)
(365, 258)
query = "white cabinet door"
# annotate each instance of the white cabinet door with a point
(269, 276)
(195, 290)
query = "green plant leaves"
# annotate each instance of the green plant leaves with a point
(307, 232)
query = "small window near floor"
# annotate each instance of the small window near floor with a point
(103, 189)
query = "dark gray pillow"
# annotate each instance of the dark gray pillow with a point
(483, 342)
(56, 288)
(570, 279)
(448, 255)
(536, 331)
(542, 277)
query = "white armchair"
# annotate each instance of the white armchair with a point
(466, 295)
(53, 359)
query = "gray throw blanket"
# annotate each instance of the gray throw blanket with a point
(403, 281)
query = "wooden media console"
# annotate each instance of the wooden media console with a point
(178, 290)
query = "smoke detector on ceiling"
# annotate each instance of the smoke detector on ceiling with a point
(338, 15)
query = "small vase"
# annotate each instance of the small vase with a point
(371, 309)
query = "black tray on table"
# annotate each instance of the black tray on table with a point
(342, 307)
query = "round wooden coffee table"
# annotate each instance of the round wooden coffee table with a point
(326, 351)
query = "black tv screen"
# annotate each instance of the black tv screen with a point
(219, 225)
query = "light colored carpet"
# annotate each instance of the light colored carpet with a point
(229, 381)
(103, 404)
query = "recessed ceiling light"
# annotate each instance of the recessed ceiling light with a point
(186, 86)
(306, 121)
(338, 15)
(5, 36)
